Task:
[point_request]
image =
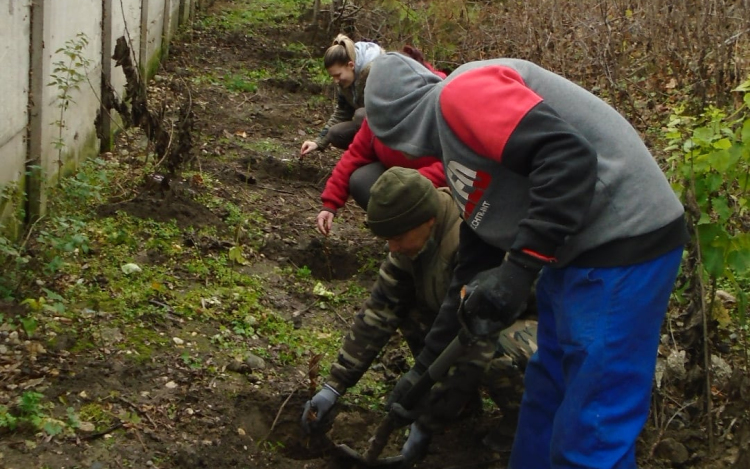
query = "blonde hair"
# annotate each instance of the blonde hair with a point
(341, 52)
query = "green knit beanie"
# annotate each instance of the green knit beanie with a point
(400, 200)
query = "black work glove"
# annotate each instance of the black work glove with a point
(416, 445)
(316, 411)
(496, 297)
(403, 386)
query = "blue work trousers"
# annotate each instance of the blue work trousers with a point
(588, 387)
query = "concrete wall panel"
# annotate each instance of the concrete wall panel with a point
(186, 8)
(15, 36)
(126, 21)
(171, 18)
(154, 25)
(71, 18)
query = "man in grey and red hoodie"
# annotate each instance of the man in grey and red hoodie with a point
(553, 176)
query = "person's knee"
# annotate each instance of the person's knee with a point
(342, 134)
(362, 180)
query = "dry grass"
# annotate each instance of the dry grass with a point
(637, 54)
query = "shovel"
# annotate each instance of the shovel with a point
(393, 420)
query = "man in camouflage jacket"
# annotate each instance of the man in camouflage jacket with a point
(421, 225)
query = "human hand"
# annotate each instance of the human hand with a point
(307, 147)
(416, 445)
(324, 220)
(496, 297)
(402, 387)
(315, 412)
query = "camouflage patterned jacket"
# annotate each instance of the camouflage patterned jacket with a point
(407, 295)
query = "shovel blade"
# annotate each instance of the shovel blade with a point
(356, 458)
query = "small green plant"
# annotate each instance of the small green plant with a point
(87, 185)
(304, 272)
(29, 325)
(245, 82)
(240, 83)
(267, 146)
(7, 420)
(272, 446)
(238, 16)
(63, 236)
(95, 413)
(710, 162)
(192, 362)
(52, 302)
(14, 259)
(67, 75)
(31, 410)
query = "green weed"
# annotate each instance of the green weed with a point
(31, 410)
(95, 413)
(240, 83)
(242, 15)
(304, 273)
(710, 170)
(67, 76)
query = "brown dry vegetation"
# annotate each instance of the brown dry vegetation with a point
(640, 55)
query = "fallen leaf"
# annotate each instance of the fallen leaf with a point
(721, 315)
(32, 383)
(171, 385)
(87, 427)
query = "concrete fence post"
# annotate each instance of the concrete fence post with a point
(15, 37)
(143, 53)
(166, 33)
(107, 41)
(40, 67)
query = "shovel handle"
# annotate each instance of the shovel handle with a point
(377, 443)
(436, 371)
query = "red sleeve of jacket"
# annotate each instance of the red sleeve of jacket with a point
(434, 172)
(492, 111)
(437, 72)
(360, 153)
(470, 105)
(428, 166)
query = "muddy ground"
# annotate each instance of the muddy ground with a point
(245, 417)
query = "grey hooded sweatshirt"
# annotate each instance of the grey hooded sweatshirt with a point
(537, 164)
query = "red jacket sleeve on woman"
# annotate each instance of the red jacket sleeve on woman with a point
(366, 149)
(361, 152)
(437, 72)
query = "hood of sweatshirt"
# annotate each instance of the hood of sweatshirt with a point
(401, 99)
(364, 53)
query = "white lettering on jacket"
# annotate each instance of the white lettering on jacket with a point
(467, 188)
